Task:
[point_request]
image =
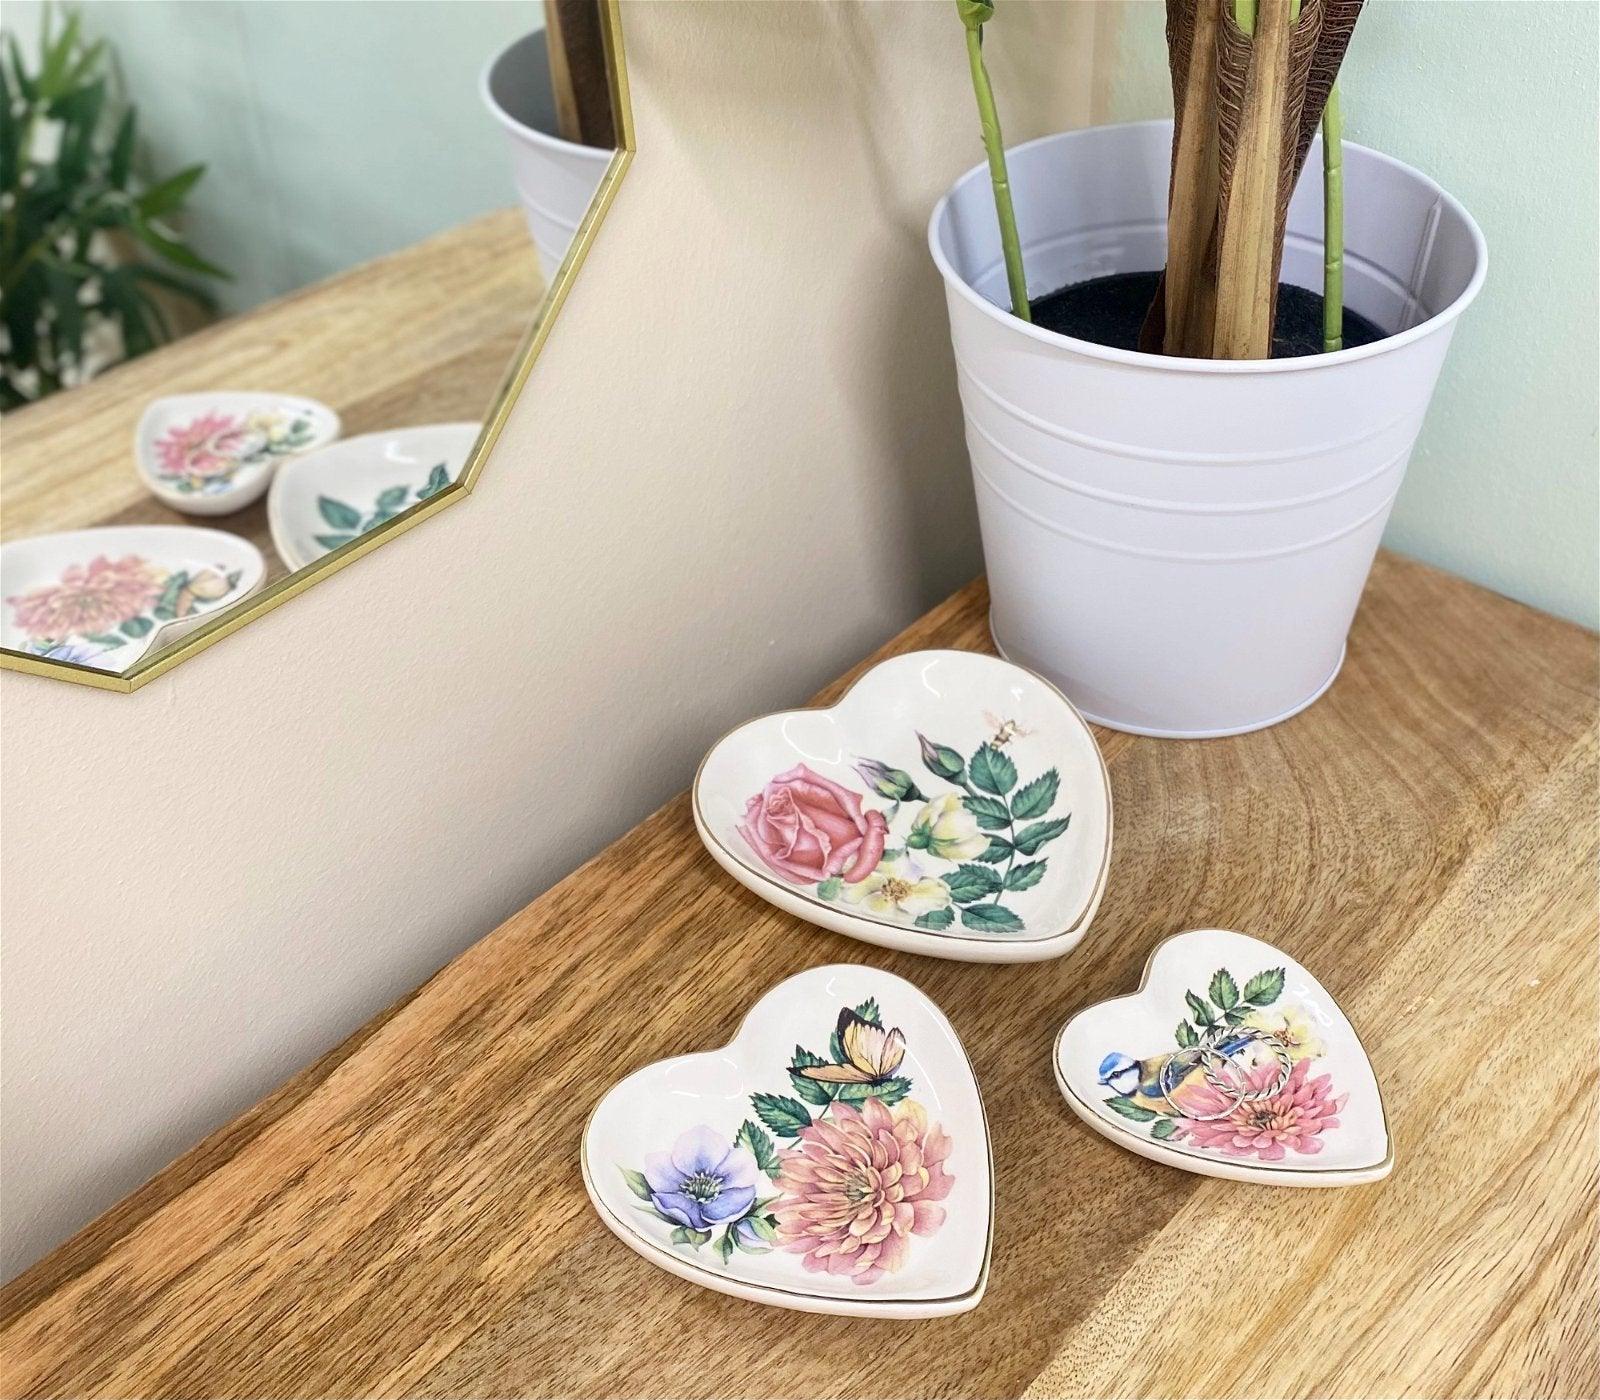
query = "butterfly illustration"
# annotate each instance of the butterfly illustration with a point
(872, 1054)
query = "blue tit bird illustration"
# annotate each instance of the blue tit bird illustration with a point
(1142, 1080)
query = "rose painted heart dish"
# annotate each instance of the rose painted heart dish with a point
(105, 597)
(834, 1157)
(328, 498)
(1231, 1060)
(213, 453)
(951, 804)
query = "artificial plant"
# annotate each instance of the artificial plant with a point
(84, 240)
(1251, 82)
(974, 15)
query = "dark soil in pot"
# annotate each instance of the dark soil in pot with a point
(1110, 311)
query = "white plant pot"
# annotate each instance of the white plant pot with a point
(1180, 544)
(555, 179)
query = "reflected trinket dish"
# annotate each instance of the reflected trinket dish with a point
(1263, 1079)
(834, 1157)
(330, 497)
(212, 454)
(951, 804)
(104, 597)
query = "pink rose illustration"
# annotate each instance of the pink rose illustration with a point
(808, 829)
(209, 445)
(1293, 1119)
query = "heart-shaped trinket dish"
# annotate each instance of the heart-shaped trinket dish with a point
(833, 1158)
(105, 597)
(330, 497)
(1230, 1060)
(951, 804)
(211, 454)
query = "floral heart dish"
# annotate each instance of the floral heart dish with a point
(833, 1158)
(105, 597)
(328, 498)
(209, 454)
(951, 804)
(1263, 1079)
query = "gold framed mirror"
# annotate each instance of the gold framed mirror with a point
(352, 377)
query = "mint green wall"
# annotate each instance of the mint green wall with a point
(1496, 100)
(333, 131)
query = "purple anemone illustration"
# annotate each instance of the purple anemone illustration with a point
(703, 1181)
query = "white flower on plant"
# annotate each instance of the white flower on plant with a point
(1293, 1030)
(898, 886)
(948, 830)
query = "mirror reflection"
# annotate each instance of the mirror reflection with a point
(266, 269)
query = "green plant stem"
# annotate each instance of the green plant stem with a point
(995, 148)
(1332, 224)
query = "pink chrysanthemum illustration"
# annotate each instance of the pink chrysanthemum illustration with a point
(209, 445)
(1291, 1120)
(93, 597)
(858, 1185)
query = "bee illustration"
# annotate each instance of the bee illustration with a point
(871, 1053)
(1005, 730)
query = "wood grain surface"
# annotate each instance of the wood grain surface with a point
(421, 336)
(406, 1217)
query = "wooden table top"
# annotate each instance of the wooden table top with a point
(421, 336)
(406, 1216)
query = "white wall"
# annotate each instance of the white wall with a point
(737, 467)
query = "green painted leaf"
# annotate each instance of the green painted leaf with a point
(1265, 987)
(724, 1245)
(991, 812)
(766, 1226)
(936, 919)
(1223, 990)
(1030, 838)
(105, 640)
(970, 882)
(392, 499)
(437, 480)
(1235, 1015)
(1025, 877)
(785, 1116)
(1187, 1035)
(1129, 1109)
(636, 1182)
(760, 1147)
(999, 850)
(338, 514)
(1201, 1009)
(680, 1235)
(992, 770)
(1164, 1129)
(829, 888)
(991, 918)
(814, 1093)
(868, 1012)
(137, 626)
(888, 1092)
(1036, 798)
(333, 541)
(804, 1059)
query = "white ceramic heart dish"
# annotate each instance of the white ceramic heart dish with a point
(210, 454)
(1231, 1060)
(330, 497)
(105, 597)
(833, 1158)
(951, 804)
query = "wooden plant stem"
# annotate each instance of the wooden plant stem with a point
(995, 148)
(1192, 206)
(1332, 225)
(1247, 260)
